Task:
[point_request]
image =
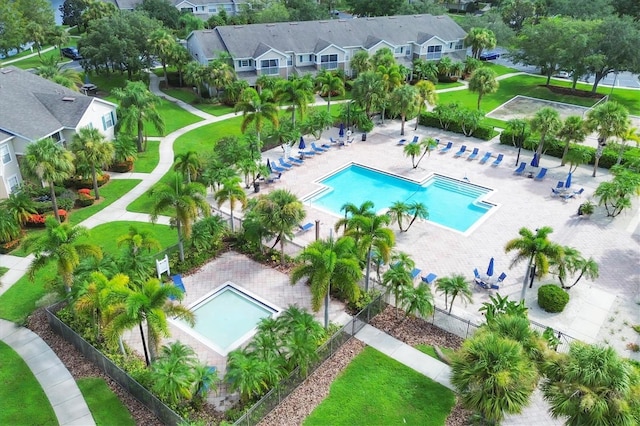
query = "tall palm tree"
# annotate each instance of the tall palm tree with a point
(302, 333)
(328, 82)
(246, 373)
(368, 91)
(162, 44)
(573, 130)
(297, 92)
(219, 74)
(232, 192)
(397, 279)
(20, 206)
(404, 100)
(185, 201)
(137, 107)
(328, 264)
(592, 385)
(398, 211)
(148, 304)
(392, 78)
(573, 262)
(371, 232)
(350, 210)
(136, 260)
(425, 70)
(257, 109)
(537, 249)
(180, 57)
(171, 374)
(631, 134)
(189, 164)
(483, 82)
(547, 123)
(493, 376)
(195, 74)
(480, 39)
(417, 210)
(360, 62)
(418, 300)
(49, 162)
(92, 149)
(426, 93)
(421, 149)
(609, 119)
(59, 243)
(455, 285)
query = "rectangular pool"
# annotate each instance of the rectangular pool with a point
(227, 317)
(452, 203)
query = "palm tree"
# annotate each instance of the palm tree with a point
(137, 107)
(296, 92)
(404, 100)
(59, 243)
(591, 385)
(20, 206)
(232, 192)
(351, 210)
(418, 300)
(91, 148)
(246, 373)
(421, 149)
(631, 134)
(328, 82)
(148, 304)
(195, 74)
(537, 249)
(137, 264)
(399, 211)
(577, 156)
(392, 78)
(480, 39)
(483, 81)
(368, 91)
(66, 77)
(616, 194)
(257, 108)
(547, 123)
(573, 262)
(425, 70)
(185, 201)
(172, 375)
(360, 62)
(302, 333)
(397, 279)
(573, 130)
(417, 210)
(49, 162)
(455, 285)
(189, 164)
(426, 93)
(162, 44)
(219, 74)
(328, 264)
(608, 120)
(9, 227)
(180, 58)
(281, 212)
(493, 376)
(371, 232)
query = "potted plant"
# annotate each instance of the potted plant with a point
(586, 208)
(124, 153)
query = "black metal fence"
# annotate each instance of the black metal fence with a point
(165, 414)
(287, 385)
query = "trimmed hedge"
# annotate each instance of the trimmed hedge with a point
(484, 131)
(552, 298)
(80, 183)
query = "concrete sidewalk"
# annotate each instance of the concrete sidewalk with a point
(56, 381)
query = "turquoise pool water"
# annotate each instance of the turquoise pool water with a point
(451, 203)
(228, 317)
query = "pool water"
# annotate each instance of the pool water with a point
(227, 317)
(451, 203)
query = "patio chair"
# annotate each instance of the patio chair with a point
(498, 160)
(401, 142)
(501, 278)
(307, 153)
(461, 152)
(520, 170)
(305, 227)
(316, 149)
(284, 163)
(277, 169)
(296, 161)
(272, 178)
(415, 139)
(333, 141)
(415, 272)
(447, 148)
(541, 174)
(177, 282)
(429, 279)
(578, 193)
(485, 158)
(474, 154)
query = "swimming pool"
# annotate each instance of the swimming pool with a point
(227, 317)
(452, 203)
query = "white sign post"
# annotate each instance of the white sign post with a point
(162, 265)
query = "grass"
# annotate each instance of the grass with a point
(148, 160)
(35, 61)
(440, 86)
(3, 270)
(375, 386)
(23, 54)
(174, 118)
(105, 406)
(429, 350)
(189, 96)
(109, 193)
(500, 69)
(23, 400)
(21, 299)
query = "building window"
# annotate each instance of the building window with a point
(329, 62)
(434, 52)
(5, 154)
(460, 45)
(290, 61)
(399, 50)
(310, 58)
(108, 121)
(186, 9)
(212, 9)
(13, 183)
(408, 51)
(300, 59)
(269, 66)
(228, 9)
(243, 63)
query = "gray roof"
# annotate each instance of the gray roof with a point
(241, 41)
(4, 136)
(33, 107)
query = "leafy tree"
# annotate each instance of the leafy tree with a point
(573, 262)
(49, 162)
(516, 12)
(91, 148)
(195, 74)
(580, 9)
(71, 11)
(351, 210)
(417, 210)
(609, 119)
(162, 10)
(483, 81)
(94, 296)
(480, 39)
(95, 11)
(137, 261)
(469, 120)
(12, 24)
(232, 192)
(20, 206)
(317, 122)
(537, 249)
(547, 123)
(188, 23)
(297, 92)
(577, 156)
(404, 100)
(572, 131)
(398, 211)
(616, 194)
(257, 109)
(425, 70)
(180, 58)
(398, 279)
(368, 91)
(184, 202)
(420, 149)
(329, 83)
(378, 8)
(418, 300)
(426, 93)
(9, 227)
(329, 264)
(59, 243)
(189, 164)
(162, 44)
(246, 373)
(455, 285)
(137, 107)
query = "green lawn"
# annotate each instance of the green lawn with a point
(440, 86)
(429, 350)
(109, 193)
(23, 400)
(105, 406)
(35, 61)
(500, 69)
(189, 96)
(377, 389)
(3, 270)
(174, 118)
(148, 160)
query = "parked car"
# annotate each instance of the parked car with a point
(488, 56)
(562, 74)
(71, 52)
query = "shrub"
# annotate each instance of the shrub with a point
(85, 200)
(78, 182)
(122, 167)
(35, 221)
(84, 191)
(552, 298)
(483, 131)
(9, 246)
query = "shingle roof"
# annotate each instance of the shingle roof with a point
(241, 41)
(33, 107)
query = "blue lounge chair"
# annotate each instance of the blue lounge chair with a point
(333, 141)
(429, 279)
(284, 163)
(520, 170)
(177, 282)
(307, 153)
(474, 154)
(295, 160)
(460, 153)
(485, 158)
(415, 139)
(501, 278)
(305, 227)
(447, 148)
(560, 184)
(277, 169)
(541, 174)
(316, 149)
(555, 191)
(498, 160)
(401, 142)
(578, 193)
(415, 272)
(272, 178)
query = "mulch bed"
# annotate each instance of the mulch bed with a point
(577, 92)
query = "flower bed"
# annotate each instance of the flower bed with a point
(9, 246)
(38, 220)
(85, 198)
